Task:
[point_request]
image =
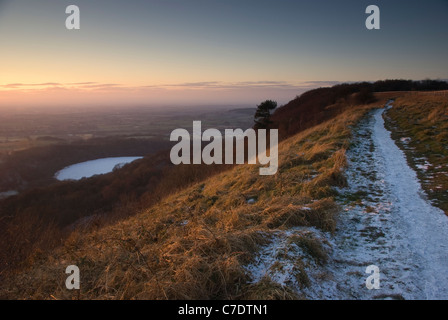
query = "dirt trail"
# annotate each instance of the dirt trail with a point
(387, 222)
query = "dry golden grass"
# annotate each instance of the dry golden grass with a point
(194, 244)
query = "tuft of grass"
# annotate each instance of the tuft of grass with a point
(266, 289)
(312, 246)
(300, 274)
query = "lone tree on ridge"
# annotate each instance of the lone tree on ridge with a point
(263, 114)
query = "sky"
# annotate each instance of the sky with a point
(164, 52)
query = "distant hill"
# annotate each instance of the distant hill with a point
(247, 111)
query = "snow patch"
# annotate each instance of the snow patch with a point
(285, 262)
(251, 201)
(405, 140)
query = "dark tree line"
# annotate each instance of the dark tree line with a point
(321, 104)
(409, 85)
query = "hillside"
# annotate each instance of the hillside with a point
(197, 243)
(343, 198)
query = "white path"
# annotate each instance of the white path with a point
(386, 221)
(394, 227)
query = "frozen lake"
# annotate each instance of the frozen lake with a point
(90, 168)
(7, 194)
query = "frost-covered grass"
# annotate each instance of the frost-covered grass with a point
(388, 223)
(419, 122)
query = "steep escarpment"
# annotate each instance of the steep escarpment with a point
(198, 242)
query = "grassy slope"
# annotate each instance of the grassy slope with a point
(194, 244)
(423, 117)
